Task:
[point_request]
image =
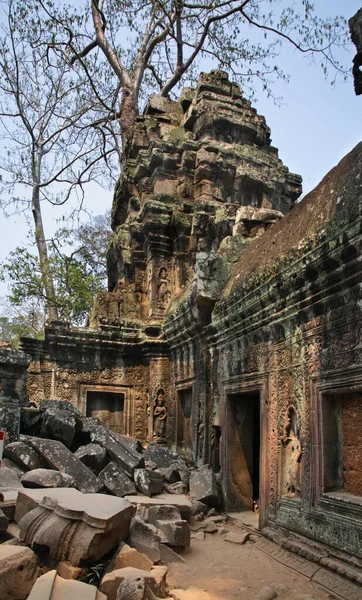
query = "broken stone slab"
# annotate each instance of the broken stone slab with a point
(127, 458)
(60, 458)
(4, 522)
(67, 571)
(53, 587)
(9, 480)
(23, 455)
(129, 557)
(161, 455)
(159, 572)
(6, 462)
(44, 478)
(203, 486)
(132, 445)
(177, 472)
(147, 482)
(180, 501)
(144, 537)
(175, 488)
(92, 456)
(73, 526)
(116, 481)
(28, 499)
(237, 537)
(59, 425)
(197, 535)
(167, 519)
(210, 528)
(18, 572)
(130, 584)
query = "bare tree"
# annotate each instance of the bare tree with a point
(52, 124)
(156, 44)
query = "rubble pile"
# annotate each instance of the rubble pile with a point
(87, 511)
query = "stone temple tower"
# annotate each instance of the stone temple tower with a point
(197, 173)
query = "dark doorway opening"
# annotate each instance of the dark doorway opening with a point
(243, 454)
(183, 421)
(108, 407)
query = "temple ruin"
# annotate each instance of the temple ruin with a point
(231, 329)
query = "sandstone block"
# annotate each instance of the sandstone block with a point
(167, 519)
(53, 587)
(60, 458)
(147, 482)
(116, 481)
(23, 455)
(126, 457)
(130, 584)
(9, 480)
(180, 501)
(130, 557)
(144, 537)
(161, 455)
(92, 456)
(203, 485)
(168, 555)
(67, 571)
(59, 425)
(159, 572)
(178, 471)
(73, 526)
(18, 572)
(44, 478)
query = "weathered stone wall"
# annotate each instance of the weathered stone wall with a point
(286, 333)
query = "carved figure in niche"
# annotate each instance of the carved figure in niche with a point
(159, 416)
(292, 455)
(163, 292)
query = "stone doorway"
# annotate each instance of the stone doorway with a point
(184, 421)
(108, 407)
(243, 451)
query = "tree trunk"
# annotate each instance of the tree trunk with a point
(51, 305)
(128, 112)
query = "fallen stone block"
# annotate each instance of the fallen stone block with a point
(180, 501)
(53, 587)
(176, 488)
(161, 455)
(9, 464)
(130, 557)
(18, 572)
(210, 528)
(67, 571)
(236, 537)
(147, 482)
(92, 456)
(167, 520)
(267, 593)
(144, 537)
(159, 572)
(128, 442)
(3, 521)
(124, 456)
(203, 485)
(130, 584)
(59, 425)
(178, 471)
(30, 421)
(9, 480)
(28, 499)
(47, 478)
(24, 456)
(60, 458)
(76, 527)
(197, 535)
(116, 481)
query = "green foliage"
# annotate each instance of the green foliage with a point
(78, 271)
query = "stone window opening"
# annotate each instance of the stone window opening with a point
(342, 444)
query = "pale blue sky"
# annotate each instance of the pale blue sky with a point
(313, 129)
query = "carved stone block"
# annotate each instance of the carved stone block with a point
(76, 527)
